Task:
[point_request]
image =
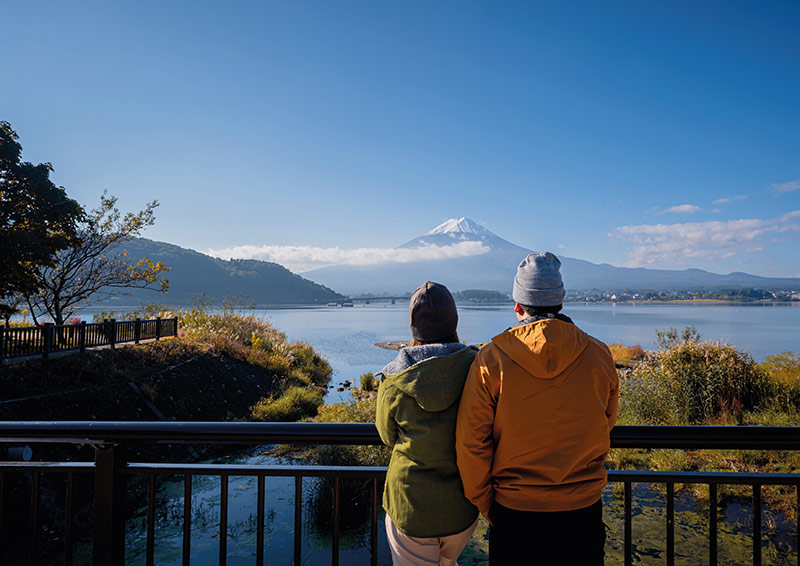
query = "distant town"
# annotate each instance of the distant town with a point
(743, 295)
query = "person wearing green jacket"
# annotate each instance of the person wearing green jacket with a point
(428, 519)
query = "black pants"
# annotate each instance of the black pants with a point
(561, 538)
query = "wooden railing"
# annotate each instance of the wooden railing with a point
(19, 342)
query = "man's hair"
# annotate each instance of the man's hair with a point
(533, 311)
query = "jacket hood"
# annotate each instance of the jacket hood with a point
(427, 373)
(544, 348)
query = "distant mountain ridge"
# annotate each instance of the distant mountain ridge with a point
(495, 269)
(193, 273)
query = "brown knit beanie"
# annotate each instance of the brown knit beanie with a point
(432, 313)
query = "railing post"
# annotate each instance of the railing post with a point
(158, 327)
(2, 344)
(47, 339)
(112, 338)
(109, 504)
(137, 330)
(82, 336)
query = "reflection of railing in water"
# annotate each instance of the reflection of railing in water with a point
(16, 342)
(111, 470)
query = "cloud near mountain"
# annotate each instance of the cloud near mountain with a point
(675, 244)
(304, 258)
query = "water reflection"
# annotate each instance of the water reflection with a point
(735, 524)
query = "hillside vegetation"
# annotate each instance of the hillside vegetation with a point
(223, 365)
(193, 274)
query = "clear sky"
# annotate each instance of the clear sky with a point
(661, 134)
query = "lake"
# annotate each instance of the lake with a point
(346, 336)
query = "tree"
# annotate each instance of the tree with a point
(37, 220)
(96, 267)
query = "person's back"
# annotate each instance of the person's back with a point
(533, 426)
(428, 519)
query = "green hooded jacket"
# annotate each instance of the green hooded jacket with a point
(416, 418)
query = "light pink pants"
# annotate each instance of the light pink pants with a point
(416, 551)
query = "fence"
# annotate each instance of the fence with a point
(112, 468)
(43, 340)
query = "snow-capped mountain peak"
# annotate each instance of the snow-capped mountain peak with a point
(458, 225)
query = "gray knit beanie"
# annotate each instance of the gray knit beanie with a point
(538, 281)
(432, 313)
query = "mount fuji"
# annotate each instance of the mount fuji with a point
(494, 262)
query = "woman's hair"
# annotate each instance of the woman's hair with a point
(447, 340)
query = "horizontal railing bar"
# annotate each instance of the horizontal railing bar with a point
(277, 470)
(623, 436)
(290, 470)
(732, 478)
(264, 433)
(701, 436)
(80, 467)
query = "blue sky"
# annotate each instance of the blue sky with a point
(661, 134)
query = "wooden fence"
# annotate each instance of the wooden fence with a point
(44, 340)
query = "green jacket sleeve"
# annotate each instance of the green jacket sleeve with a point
(384, 414)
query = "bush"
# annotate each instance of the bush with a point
(783, 371)
(783, 367)
(367, 381)
(296, 403)
(626, 355)
(307, 365)
(669, 337)
(692, 382)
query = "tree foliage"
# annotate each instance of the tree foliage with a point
(37, 220)
(96, 266)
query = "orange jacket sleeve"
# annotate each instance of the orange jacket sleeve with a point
(474, 436)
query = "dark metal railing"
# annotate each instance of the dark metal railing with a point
(18, 342)
(112, 468)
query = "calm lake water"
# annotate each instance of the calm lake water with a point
(346, 336)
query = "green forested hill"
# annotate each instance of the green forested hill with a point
(193, 273)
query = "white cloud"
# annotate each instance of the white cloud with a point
(726, 200)
(677, 244)
(785, 187)
(304, 258)
(683, 209)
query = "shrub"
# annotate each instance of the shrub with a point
(783, 371)
(294, 404)
(783, 367)
(367, 381)
(254, 340)
(669, 337)
(308, 365)
(625, 355)
(693, 382)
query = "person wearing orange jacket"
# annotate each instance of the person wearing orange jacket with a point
(533, 429)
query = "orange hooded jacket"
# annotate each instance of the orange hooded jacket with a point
(534, 419)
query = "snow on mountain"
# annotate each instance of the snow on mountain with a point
(458, 225)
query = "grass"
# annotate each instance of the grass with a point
(301, 374)
(289, 405)
(695, 382)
